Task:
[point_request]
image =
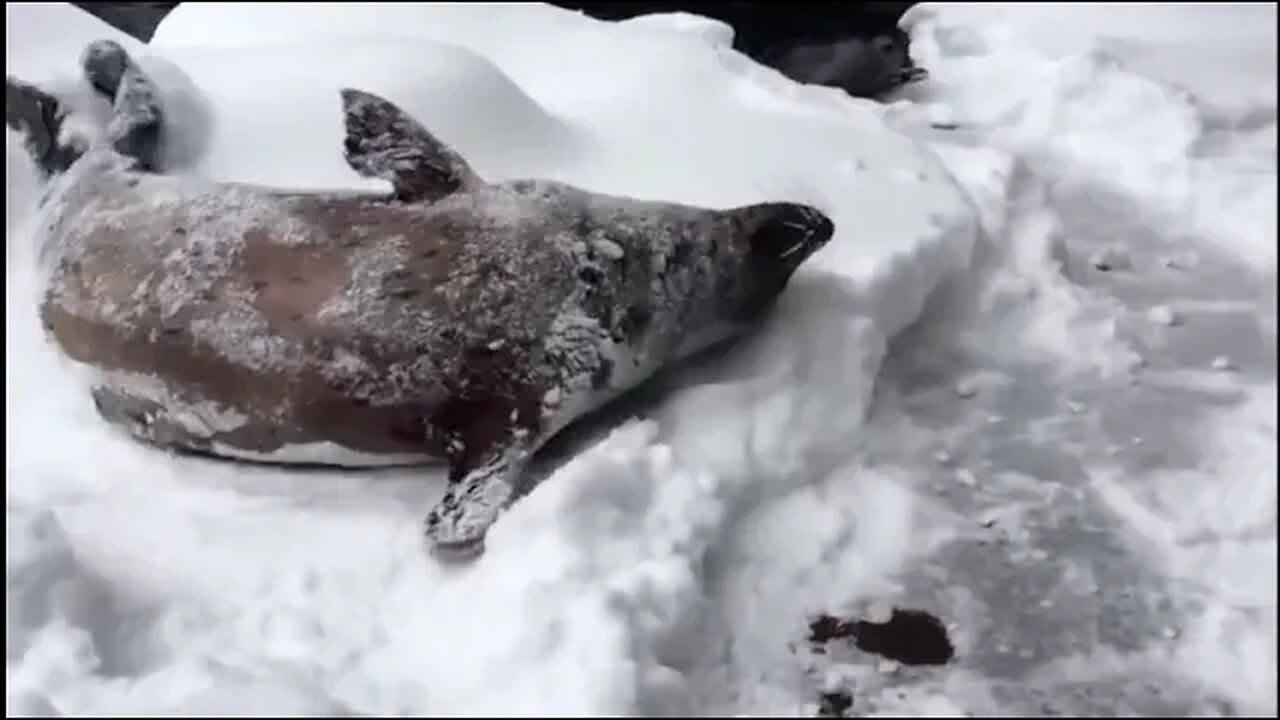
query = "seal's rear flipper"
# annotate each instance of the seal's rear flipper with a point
(104, 63)
(138, 119)
(382, 141)
(38, 117)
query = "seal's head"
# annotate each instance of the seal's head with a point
(677, 278)
(765, 244)
(744, 264)
(863, 66)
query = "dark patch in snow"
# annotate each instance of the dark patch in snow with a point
(834, 704)
(911, 637)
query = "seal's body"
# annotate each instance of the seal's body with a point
(451, 318)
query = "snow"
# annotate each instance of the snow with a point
(47, 54)
(952, 408)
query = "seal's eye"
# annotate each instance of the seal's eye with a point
(791, 230)
(886, 45)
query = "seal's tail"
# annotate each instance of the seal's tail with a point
(39, 117)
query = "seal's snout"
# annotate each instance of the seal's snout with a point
(912, 74)
(791, 232)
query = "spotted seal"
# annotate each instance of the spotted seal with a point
(857, 47)
(861, 66)
(450, 318)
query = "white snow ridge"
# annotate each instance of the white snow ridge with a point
(953, 409)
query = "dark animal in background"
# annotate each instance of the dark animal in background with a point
(857, 47)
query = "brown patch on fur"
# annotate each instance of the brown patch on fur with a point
(287, 285)
(327, 414)
(290, 284)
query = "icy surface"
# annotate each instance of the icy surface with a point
(1057, 474)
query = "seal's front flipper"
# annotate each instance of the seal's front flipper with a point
(457, 525)
(38, 117)
(488, 451)
(382, 141)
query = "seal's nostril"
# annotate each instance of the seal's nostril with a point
(821, 227)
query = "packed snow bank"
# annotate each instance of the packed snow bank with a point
(598, 593)
(1175, 107)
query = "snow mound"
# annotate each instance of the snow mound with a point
(607, 589)
(464, 99)
(715, 33)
